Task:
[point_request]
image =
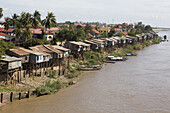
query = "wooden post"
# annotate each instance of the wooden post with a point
(1, 97)
(19, 95)
(11, 96)
(18, 77)
(20, 74)
(59, 67)
(28, 94)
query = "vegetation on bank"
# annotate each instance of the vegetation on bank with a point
(132, 49)
(34, 42)
(50, 86)
(4, 46)
(156, 41)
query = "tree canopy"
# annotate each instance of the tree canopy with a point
(1, 14)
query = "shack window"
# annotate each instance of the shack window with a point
(37, 57)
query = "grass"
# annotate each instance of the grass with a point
(156, 41)
(146, 43)
(4, 89)
(135, 47)
(123, 52)
(53, 74)
(93, 58)
(50, 86)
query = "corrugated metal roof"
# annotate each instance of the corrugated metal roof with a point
(60, 48)
(27, 50)
(52, 49)
(9, 59)
(90, 42)
(76, 43)
(41, 49)
(19, 51)
(37, 53)
(84, 44)
(101, 42)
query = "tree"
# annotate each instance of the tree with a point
(49, 20)
(7, 22)
(14, 19)
(120, 34)
(34, 42)
(26, 22)
(112, 32)
(140, 27)
(148, 28)
(80, 35)
(36, 19)
(132, 34)
(1, 14)
(104, 35)
(88, 28)
(61, 35)
(18, 30)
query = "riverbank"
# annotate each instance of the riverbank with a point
(134, 86)
(43, 86)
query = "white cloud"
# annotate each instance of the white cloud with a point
(154, 12)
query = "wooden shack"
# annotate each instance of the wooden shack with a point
(11, 67)
(63, 49)
(93, 45)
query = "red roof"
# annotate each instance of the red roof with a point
(3, 34)
(93, 25)
(36, 31)
(10, 30)
(125, 33)
(76, 24)
(39, 27)
(100, 25)
(39, 31)
(54, 29)
(1, 39)
(90, 35)
(2, 22)
(95, 31)
(1, 29)
(117, 29)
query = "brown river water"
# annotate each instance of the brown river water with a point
(139, 85)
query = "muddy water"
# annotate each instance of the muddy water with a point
(140, 85)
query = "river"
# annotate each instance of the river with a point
(139, 85)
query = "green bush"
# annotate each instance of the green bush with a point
(115, 54)
(135, 47)
(53, 74)
(146, 43)
(34, 42)
(71, 56)
(91, 62)
(125, 51)
(4, 46)
(50, 86)
(71, 76)
(156, 41)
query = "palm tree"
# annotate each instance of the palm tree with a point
(1, 14)
(18, 30)
(7, 23)
(49, 21)
(25, 20)
(36, 19)
(14, 19)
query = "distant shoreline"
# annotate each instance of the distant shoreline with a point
(160, 29)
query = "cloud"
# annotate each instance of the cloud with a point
(155, 12)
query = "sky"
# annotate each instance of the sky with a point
(153, 12)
